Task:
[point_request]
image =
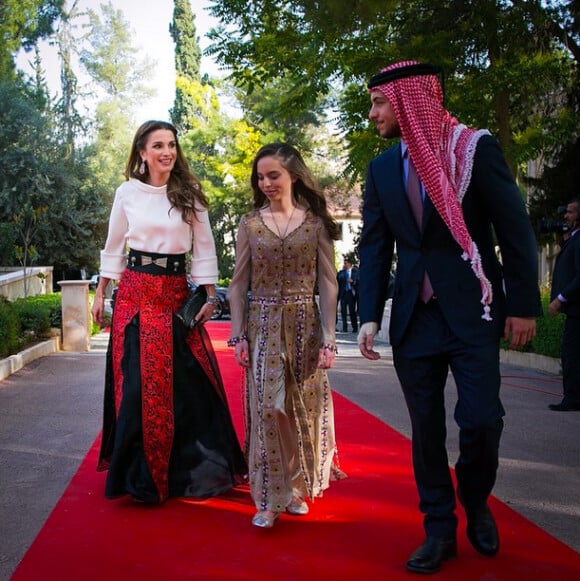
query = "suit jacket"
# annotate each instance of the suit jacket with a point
(492, 203)
(341, 278)
(566, 277)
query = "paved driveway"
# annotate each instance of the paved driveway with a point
(50, 414)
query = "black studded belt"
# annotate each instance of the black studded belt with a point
(153, 263)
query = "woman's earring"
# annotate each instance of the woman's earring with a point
(142, 167)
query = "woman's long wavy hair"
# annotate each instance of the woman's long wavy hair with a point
(183, 188)
(305, 189)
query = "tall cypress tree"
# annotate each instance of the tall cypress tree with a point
(187, 62)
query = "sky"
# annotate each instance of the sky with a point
(149, 22)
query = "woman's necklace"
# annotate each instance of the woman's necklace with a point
(282, 236)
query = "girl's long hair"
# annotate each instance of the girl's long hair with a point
(183, 188)
(305, 189)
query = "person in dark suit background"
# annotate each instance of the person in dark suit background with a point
(453, 301)
(565, 298)
(348, 294)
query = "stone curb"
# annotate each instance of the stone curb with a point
(17, 361)
(531, 360)
(347, 345)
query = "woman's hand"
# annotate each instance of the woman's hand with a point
(205, 314)
(98, 310)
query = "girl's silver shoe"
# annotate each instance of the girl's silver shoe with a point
(265, 519)
(297, 507)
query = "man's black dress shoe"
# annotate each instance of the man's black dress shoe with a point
(482, 531)
(427, 558)
(564, 407)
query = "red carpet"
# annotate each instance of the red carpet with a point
(362, 529)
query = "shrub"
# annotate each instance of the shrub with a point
(9, 328)
(548, 332)
(39, 313)
(32, 319)
(25, 321)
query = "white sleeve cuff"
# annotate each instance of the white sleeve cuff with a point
(367, 329)
(112, 265)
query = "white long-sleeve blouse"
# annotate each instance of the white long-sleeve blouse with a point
(142, 219)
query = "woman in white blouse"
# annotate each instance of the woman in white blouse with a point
(167, 429)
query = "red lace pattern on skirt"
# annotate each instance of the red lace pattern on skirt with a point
(156, 298)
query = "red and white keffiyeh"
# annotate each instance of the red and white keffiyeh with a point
(442, 150)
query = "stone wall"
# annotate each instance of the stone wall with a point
(39, 281)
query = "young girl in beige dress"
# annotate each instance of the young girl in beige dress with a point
(283, 337)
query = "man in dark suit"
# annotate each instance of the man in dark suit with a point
(347, 294)
(440, 194)
(565, 298)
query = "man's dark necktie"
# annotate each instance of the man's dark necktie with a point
(416, 201)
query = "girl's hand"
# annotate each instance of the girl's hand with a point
(326, 357)
(242, 353)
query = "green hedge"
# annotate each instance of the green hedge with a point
(9, 329)
(25, 321)
(548, 337)
(548, 332)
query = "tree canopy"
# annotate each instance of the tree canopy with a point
(58, 168)
(43, 194)
(299, 70)
(22, 24)
(510, 65)
(187, 63)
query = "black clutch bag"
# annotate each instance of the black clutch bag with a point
(192, 305)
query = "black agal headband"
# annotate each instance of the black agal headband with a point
(402, 72)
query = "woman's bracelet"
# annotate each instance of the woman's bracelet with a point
(212, 300)
(235, 340)
(330, 347)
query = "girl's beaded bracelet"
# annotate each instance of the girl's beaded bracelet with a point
(330, 347)
(235, 340)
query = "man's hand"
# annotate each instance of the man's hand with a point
(366, 340)
(519, 330)
(554, 307)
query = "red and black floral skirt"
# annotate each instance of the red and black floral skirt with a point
(167, 429)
